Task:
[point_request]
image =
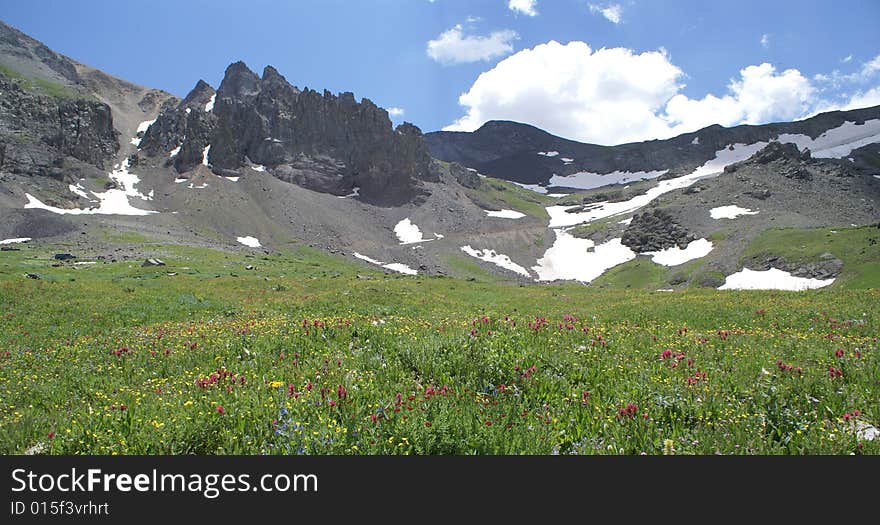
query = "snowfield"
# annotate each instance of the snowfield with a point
(559, 217)
(584, 180)
(772, 279)
(838, 142)
(574, 259)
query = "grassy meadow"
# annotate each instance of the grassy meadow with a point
(312, 354)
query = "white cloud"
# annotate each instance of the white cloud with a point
(612, 12)
(395, 112)
(454, 47)
(616, 95)
(760, 95)
(526, 7)
(765, 40)
(847, 58)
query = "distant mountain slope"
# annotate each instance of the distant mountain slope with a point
(526, 154)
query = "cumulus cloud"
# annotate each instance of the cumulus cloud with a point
(612, 12)
(395, 112)
(454, 47)
(526, 7)
(612, 96)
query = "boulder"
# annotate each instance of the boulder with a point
(153, 262)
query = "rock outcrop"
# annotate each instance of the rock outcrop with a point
(655, 230)
(320, 141)
(39, 128)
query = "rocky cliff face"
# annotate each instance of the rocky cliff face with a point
(321, 141)
(37, 130)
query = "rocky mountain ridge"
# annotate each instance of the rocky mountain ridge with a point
(320, 141)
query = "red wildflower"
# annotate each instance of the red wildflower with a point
(220, 409)
(51, 435)
(585, 398)
(839, 353)
(428, 423)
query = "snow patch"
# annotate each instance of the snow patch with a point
(877, 176)
(205, 155)
(401, 268)
(626, 222)
(179, 180)
(558, 195)
(175, 151)
(17, 240)
(210, 105)
(252, 242)
(772, 279)
(409, 233)
(79, 191)
(396, 267)
(498, 259)
(505, 214)
(730, 212)
(601, 210)
(111, 202)
(675, 255)
(258, 167)
(355, 192)
(233, 179)
(142, 128)
(837, 142)
(696, 141)
(548, 153)
(571, 258)
(584, 180)
(199, 187)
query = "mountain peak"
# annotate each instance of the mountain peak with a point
(238, 81)
(199, 95)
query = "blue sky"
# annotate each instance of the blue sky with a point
(645, 68)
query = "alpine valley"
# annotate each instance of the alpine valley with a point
(261, 268)
(260, 165)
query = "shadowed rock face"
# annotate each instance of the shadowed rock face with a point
(37, 130)
(320, 141)
(509, 150)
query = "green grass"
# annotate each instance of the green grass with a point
(858, 248)
(116, 358)
(463, 267)
(510, 196)
(639, 273)
(42, 85)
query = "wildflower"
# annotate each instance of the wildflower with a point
(585, 398)
(668, 447)
(847, 417)
(857, 413)
(220, 409)
(428, 424)
(51, 435)
(839, 353)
